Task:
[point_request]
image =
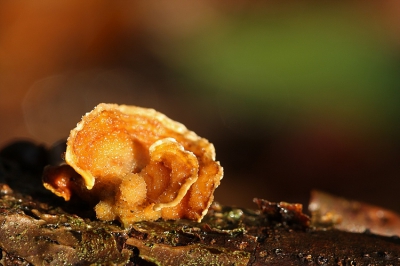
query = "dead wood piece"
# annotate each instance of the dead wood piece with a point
(353, 216)
(35, 232)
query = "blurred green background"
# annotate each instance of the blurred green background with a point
(295, 96)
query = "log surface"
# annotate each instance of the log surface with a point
(34, 232)
(39, 229)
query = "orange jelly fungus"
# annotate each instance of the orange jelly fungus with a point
(136, 164)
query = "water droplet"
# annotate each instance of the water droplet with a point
(235, 214)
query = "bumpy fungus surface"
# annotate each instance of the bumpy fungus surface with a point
(137, 164)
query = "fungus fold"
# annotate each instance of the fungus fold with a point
(136, 164)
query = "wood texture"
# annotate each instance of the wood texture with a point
(37, 228)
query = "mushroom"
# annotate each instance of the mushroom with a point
(137, 164)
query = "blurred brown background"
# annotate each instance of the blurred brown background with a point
(294, 96)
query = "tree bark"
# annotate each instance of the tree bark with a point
(36, 232)
(37, 228)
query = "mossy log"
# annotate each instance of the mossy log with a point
(34, 232)
(37, 228)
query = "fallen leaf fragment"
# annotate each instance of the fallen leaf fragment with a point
(287, 214)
